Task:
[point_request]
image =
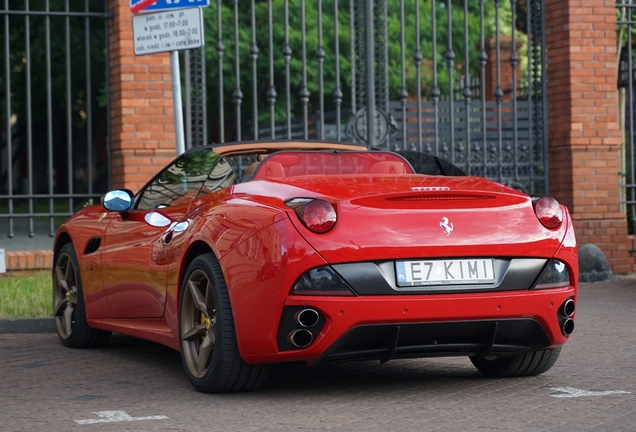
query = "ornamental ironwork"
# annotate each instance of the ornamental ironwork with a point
(477, 100)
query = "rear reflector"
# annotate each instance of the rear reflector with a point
(321, 281)
(555, 275)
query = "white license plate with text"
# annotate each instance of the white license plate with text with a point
(445, 272)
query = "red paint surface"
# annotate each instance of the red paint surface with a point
(132, 282)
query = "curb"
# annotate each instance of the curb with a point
(27, 325)
(28, 260)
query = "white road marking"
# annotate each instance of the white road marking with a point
(571, 392)
(118, 416)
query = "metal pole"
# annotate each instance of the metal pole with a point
(370, 69)
(7, 74)
(188, 99)
(176, 101)
(109, 137)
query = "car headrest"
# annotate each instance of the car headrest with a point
(271, 170)
(388, 167)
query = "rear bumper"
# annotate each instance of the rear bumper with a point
(438, 339)
(386, 327)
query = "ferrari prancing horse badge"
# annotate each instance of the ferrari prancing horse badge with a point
(448, 228)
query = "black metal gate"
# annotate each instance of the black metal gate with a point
(54, 111)
(433, 71)
(626, 12)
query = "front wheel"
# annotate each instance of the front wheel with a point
(68, 304)
(529, 364)
(209, 350)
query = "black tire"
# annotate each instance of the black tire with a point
(68, 304)
(533, 363)
(209, 351)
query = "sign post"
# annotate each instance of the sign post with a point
(177, 103)
(170, 30)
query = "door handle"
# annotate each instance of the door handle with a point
(175, 228)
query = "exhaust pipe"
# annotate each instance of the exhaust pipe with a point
(568, 308)
(307, 317)
(567, 327)
(300, 338)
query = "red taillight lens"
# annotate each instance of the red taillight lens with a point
(317, 215)
(548, 211)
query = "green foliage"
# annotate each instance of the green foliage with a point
(26, 295)
(226, 63)
(191, 165)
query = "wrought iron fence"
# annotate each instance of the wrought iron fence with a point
(626, 21)
(435, 73)
(54, 153)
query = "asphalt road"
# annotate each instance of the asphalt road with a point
(137, 385)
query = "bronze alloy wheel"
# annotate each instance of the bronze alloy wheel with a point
(68, 303)
(64, 295)
(198, 323)
(209, 349)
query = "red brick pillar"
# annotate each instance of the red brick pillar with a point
(142, 122)
(584, 138)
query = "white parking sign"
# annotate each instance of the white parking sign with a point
(168, 31)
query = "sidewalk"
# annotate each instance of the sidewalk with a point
(592, 387)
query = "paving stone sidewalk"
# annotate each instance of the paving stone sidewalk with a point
(134, 385)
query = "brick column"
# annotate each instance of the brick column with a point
(584, 137)
(142, 122)
(505, 68)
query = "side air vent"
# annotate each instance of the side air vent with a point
(440, 197)
(92, 245)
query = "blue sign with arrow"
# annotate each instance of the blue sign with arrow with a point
(161, 5)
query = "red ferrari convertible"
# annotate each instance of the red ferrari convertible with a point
(244, 255)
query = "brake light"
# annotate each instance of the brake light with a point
(316, 215)
(548, 211)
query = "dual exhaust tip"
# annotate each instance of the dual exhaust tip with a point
(306, 318)
(567, 310)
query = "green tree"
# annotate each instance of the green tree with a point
(312, 42)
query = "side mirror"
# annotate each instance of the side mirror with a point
(118, 200)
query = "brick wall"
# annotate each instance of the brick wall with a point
(142, 120)
(584, 137)
(28, 260)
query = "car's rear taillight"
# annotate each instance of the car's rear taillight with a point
(548, 211)
(317, 215)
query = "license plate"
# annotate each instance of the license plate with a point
(445, 272)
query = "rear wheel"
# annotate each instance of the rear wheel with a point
(68, 303)
(209, 350)
(533, 363)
